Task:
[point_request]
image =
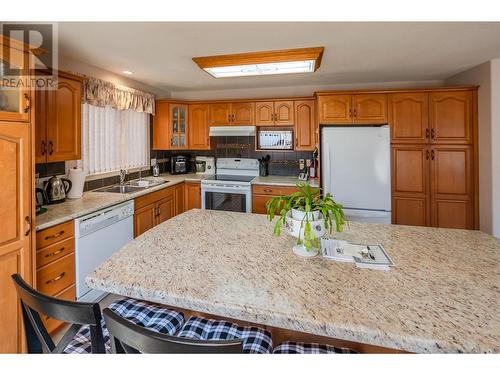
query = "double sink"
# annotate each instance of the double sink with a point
(131, 186)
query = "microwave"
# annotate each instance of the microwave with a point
(275, 139)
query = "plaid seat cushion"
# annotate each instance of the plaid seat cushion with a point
(289, 347)
(255, 340)
(145, 314)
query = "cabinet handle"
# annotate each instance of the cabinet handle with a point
(232, 117)
(159, 211)
(432, 133)
(44, 148)
(427, 133)
(28, 103)
(355, 112)
(54, 253)
(229, 118)
(51, 148)
(57, 278)
(54, 235)
(268, 190)
(350, 112)
(27, 222)
(426, 154)
(432, 155)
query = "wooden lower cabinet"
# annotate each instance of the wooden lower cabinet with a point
(55, 266)
(432, 185)
(192, 195)
(263, 193)
(156, 207)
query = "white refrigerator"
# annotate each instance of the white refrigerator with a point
(356, 169)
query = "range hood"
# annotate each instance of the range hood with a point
(222, 131)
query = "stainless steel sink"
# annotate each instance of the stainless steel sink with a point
(123, 189)
(130, 187)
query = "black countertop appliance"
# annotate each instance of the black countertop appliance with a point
(178, 165)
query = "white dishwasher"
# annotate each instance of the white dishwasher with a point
(98, 236)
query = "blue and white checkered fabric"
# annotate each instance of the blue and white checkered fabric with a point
(145, 314)
(255, 340)
(289, 347)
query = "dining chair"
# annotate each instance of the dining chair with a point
(130, 338)
(78, 314)
(87, 332)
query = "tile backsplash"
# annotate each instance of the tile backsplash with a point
(283, 163)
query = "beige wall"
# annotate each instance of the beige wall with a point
(68, 64)
(487, 75)
(284, 91)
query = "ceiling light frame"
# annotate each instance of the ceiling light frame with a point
(314, 54)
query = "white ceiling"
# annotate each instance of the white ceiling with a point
(160, 54)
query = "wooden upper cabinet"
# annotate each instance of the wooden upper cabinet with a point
(243, 113)
(220, 114)
(280, 113)
(199, 138)
(64, 121)
(335, 109)
(283, 113)
(305, 125)
(264, 113)
(58, 121)
(409, 117)
(15, 100)
(369, 109)
(161, 133)
(451, 117)
(15, 213)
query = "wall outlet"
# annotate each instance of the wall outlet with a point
(301, 164)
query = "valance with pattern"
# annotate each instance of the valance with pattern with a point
(102, 93)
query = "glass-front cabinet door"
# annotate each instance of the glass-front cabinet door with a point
(14, 96)
(178, 125)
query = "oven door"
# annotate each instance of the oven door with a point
(226, 198)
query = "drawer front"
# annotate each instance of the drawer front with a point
(274, 190)
(53, 252)
(68, 294)
(154, 197)
(56, 276)
(54, 234)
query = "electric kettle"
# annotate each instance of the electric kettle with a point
(56, 189)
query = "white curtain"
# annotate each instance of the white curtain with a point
(113, 139)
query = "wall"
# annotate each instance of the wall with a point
(487, 75)
(285, 91)
(68, 64)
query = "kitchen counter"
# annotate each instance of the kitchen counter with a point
(92, 201)
(441, 296)
(282, 181)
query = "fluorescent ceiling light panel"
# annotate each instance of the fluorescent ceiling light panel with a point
(302, 60)
(262, 69)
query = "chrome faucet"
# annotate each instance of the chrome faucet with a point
(123, 175)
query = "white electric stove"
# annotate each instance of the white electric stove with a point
(230, 188)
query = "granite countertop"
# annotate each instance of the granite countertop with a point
(281, 180)
(92, 201)
(442, 296)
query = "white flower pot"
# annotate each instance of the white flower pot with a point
(296, 229)
(299, 215)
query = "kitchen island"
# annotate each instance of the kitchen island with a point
(442, 296)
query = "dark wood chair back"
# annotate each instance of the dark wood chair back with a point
(127, 337)
(77, 314)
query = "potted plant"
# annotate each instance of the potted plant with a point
(306, 215)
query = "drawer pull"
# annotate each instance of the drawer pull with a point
(268, 190)
(54, 235)
(56, 278)
(54, 253)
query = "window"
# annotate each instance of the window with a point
(113, 139)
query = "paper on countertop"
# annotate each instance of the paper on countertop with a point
(343, 251)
